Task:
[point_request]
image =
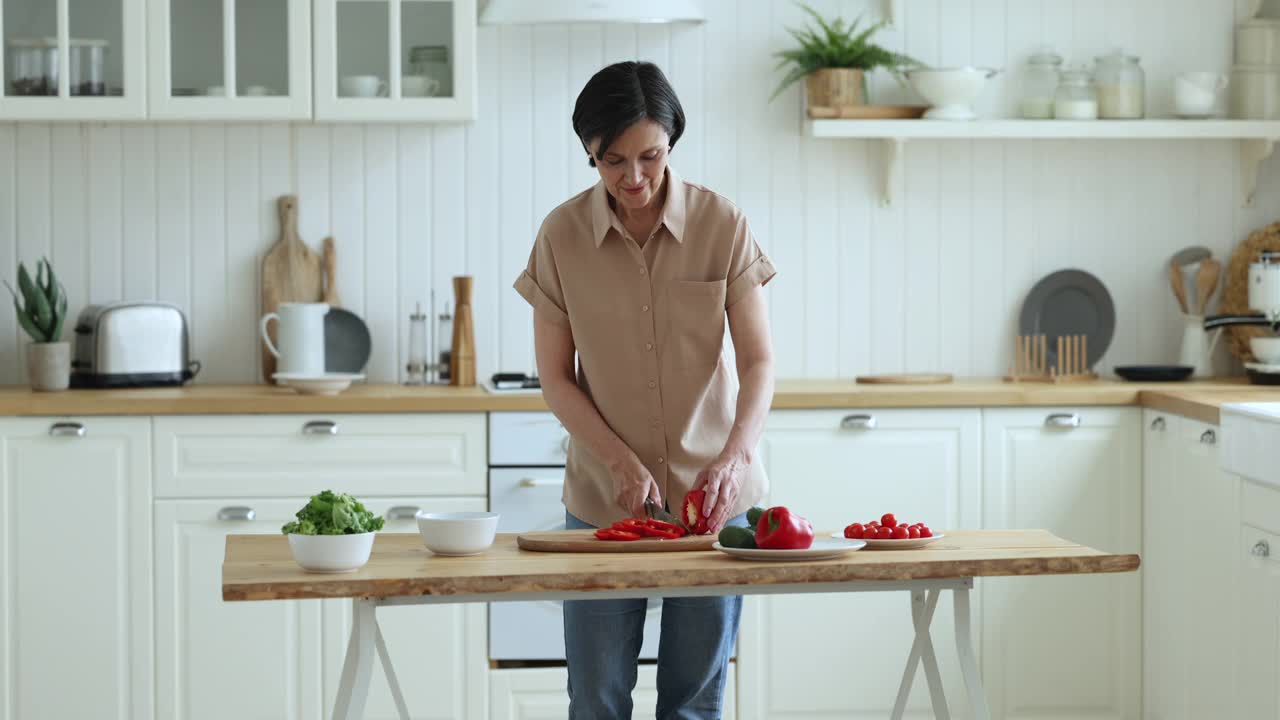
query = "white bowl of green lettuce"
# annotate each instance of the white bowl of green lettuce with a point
(332, 533)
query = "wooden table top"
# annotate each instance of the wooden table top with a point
(260, 567)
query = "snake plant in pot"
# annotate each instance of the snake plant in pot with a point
(42, 307)
(833, 59)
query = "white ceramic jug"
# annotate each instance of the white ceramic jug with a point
(301, 334)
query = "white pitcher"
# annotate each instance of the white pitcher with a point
(301, 334)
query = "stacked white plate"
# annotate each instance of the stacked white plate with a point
(324, 384)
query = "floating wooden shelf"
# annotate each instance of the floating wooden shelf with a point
(1256, 138)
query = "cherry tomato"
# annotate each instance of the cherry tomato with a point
(901, 533)
(925, 532)
(888, 520)
(873, 524)
(913, 532)
(855, 531)
(884, 533)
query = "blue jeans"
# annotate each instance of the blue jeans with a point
(602, 645)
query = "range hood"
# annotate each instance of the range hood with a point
(538, 12)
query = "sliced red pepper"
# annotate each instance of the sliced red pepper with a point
(652, 529)
(780, 529)
(611, 534)
(634, 525)
(657, 524)
(692, 515)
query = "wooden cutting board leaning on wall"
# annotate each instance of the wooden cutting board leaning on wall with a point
(291, 272)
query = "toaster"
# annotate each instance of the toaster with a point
(131, 344)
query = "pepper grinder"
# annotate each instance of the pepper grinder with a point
(417, 366)
(462, 361)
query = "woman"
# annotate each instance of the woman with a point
(636, 275)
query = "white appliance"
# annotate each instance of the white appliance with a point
(526, 478)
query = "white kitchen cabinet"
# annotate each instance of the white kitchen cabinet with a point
(41, 36)
(541, 694)
(842, 655)
(1068, 646)
(228, 660)
(300, 455)
(1164, 606)
(75, 580)
(1257, 651)
(230, 59)
(439, 652)
(395, 60)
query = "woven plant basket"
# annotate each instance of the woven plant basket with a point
(834, 88)
(1235, 295)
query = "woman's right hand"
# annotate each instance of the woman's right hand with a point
(632, 483)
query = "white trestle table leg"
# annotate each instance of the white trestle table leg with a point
(396, 695)
(968, 660)
(922, 607)
(353, 689)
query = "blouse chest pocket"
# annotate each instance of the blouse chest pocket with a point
(695, 317)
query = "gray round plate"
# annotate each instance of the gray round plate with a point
(1069, 302)
(347, 343)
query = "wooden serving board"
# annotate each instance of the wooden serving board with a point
(585, 541)
(906, 379)
(291, 272)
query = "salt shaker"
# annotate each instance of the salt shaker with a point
(417, 366)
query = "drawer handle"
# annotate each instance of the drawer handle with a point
(402, 512)
(67, 429)
(1261, 549)
(237, 513)
(537, 483)
(1157, 424)
(1209, 437)
(320, 427)
(1062, 420)
(858, 422)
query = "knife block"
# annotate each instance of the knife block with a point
(462, 360)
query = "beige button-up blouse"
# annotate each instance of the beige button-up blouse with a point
(648, 324)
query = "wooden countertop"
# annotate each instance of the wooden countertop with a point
(1200, 400)
(260, 567)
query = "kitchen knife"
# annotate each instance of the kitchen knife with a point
(652, 510)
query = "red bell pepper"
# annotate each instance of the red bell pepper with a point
(781, 529)
(612, 534)
(692, 515)
(656, 528)
(633, 525)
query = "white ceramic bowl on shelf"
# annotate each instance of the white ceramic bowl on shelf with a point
(950, 91)
(331, 553)
(457, 533)
(1266, 349)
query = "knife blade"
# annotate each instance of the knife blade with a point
(652, 509)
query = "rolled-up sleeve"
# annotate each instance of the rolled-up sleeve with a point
(749, 267)
(539, 283)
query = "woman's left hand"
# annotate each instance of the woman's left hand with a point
(721, 479)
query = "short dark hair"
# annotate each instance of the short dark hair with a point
(621, 95)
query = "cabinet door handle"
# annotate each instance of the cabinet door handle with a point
(320, 427)
(1262, 548)
(536, 483)
(1062, 420)
(402, 512)
(1157, 424)
(67, 429)
(237, 513)
(858, 422)
(1209, 437)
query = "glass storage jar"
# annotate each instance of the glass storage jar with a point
(433, 61)
(1076, 97)
(1121, 86)
(33, 66)
(1040, 84)
(87, 58)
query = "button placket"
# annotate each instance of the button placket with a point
(657, 429)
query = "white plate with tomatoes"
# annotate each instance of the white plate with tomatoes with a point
(821, 549)
(908, 544)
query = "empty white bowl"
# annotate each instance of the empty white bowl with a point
(1266, 349)
(457, 533)
(331, 553)
(951, 91)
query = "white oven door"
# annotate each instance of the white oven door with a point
(528, 499)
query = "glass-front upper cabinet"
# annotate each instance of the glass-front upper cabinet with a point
(230, 59)
(395, 60)
(73, 59)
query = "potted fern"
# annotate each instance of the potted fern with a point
(833, 60)
(42, 308)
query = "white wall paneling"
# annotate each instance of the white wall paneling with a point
(184, 213)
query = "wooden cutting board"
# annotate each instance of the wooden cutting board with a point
(905, 379)
(585, 541)
(291, 272)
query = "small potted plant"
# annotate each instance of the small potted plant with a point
(833, 59)
(42, 308)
